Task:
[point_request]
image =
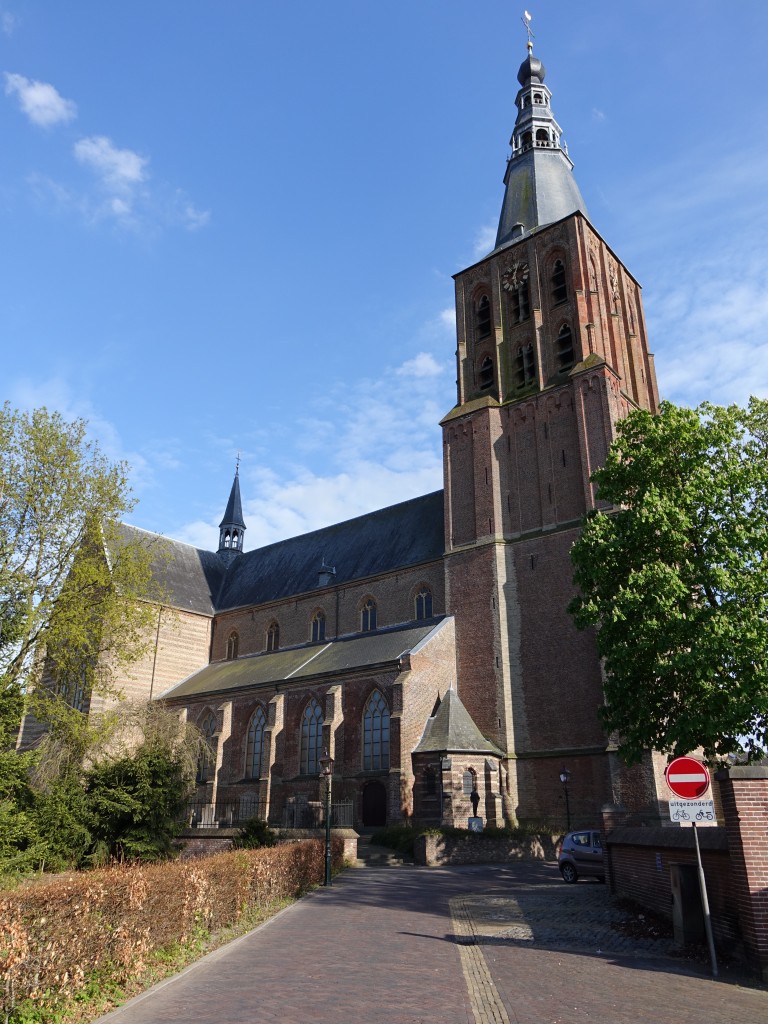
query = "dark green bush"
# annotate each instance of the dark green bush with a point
(254, 834)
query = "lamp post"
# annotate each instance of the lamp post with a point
(327, 773)
(564, 777)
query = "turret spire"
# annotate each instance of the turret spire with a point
(232, 526)
(540, 187)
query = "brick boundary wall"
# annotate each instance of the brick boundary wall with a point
(203, 842)
(437, 850)
(744, 793)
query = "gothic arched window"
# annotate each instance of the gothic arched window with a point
(273, 636)
(559, 287)
(311, 738)
(485, 378)
(233, 643)
(255, 744)
(483, 317)
(206, 760)
(317, 627)
(564, 349)
(376, 733)
(368, 616)
(424, 603)
(525, 366)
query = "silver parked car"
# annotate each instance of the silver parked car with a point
(581, 854)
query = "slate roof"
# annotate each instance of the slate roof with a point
(342, 655)
(233, 513)
(452, 730)
(190, 578)
(390, 538)
(204, 581)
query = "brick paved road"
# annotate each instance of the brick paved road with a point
(472, 945)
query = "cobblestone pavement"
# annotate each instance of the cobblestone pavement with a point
(507, 944)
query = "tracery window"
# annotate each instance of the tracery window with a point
(273, 636)
(255, 744)
(483, 317)
(424, 603)
(317, 627)
(233, 643)
(206, 760)
(468, 780)
(376, 733)
(486, 374)
(564, 349)
(559, 287)
(311, 738)
(525, 366)
(368, 616)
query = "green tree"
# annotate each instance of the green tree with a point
(674, 578)
(72, 591)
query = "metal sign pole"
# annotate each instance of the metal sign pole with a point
(705, 903)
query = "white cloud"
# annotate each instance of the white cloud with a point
(40, 101)
(8, 22)
(448, 318)
(597, 114)
(119, 169)
(485, 240)
(358, 450)
(422, 365)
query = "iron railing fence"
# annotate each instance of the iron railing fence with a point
(235, 813)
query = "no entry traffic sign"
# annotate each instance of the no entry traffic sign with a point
(687, 778)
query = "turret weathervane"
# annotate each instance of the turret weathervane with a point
(526, 20)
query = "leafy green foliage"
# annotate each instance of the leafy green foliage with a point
(69, 583)
(134, 804)
(675, 579)
(253, 835)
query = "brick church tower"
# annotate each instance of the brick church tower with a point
(552, 352)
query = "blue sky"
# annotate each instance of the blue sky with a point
(232, 226)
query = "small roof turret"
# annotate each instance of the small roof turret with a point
(232, 526)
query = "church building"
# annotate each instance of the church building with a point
(426, 647)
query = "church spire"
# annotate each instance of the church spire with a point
(232, 526)
(540, 187)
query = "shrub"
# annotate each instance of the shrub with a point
(253, 835)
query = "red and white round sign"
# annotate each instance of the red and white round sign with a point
(687, 778)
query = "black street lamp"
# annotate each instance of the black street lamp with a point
(564, 777)
(327, 774)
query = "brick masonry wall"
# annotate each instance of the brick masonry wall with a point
(437, 851)
(394, 594)
(641, 859)
(744, 796)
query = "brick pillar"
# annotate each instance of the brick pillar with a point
(224, 735)
(744, 792)
(270, 767)
(613, 817)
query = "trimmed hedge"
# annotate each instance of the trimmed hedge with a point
(56, 934)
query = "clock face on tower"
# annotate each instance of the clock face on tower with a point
(514, 276)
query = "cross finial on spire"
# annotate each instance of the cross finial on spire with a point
(526, 20)
(237, 464)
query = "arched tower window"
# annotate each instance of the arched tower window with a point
(233, 643)
(317, 627)
(564, 348)
(485, 377)
(542, 137)
(376, 733)
(483, 317)
(559, 287)
(424, 603)
(368, 616)
(206, 760)
(525, 366)
(273, 636)
(255, 744)
(311, 738)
